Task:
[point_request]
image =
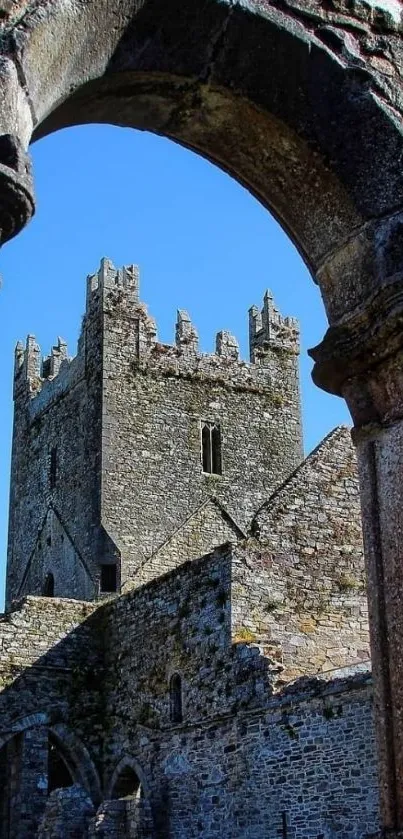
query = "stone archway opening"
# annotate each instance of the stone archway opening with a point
(60, 775)
(270, 96)
(126, 811)
(127, 784)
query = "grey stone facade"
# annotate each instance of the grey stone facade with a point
(226, 693)
(245, 758)
(301, 103)
(124, 421)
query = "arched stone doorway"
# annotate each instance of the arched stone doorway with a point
(126, 811)
(303, 107)
(41, 766)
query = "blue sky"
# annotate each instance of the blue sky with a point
(201, 241)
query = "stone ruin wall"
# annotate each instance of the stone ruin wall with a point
(243, 759)
(206, 527)
(299, 580)
(300, 584)
(50, 656)
(55, 529)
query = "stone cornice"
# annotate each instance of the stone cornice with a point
(351, 350)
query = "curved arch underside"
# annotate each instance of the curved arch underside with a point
(291, 103)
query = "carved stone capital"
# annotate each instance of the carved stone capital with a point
(17, 203)
(361, 358)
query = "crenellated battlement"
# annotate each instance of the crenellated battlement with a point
(113, 299)
(118, 291)
(269, 330)
(32, 370)
(108, 279)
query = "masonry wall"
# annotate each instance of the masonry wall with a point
(54, 525)
(179, 623)
(50, 650)
(245, 761)
(155, 397)
(299, 584)
(208, 526)
(50, 663)
(303, 767)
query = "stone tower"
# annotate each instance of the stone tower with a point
(114, 449)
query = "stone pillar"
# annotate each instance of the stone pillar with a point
(33, 782)
(17, 203)
(363, 361)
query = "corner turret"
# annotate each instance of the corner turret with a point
(27, 367)
(108, 278)
(31, 371)
(268, 330)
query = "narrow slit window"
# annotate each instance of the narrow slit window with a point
(211, 448)
(53, 467)
(108, 578)
(49, 586)
(175, 697)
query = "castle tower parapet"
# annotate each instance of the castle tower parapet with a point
(52, 363)
(269, 330)
(31, 371)
(108, 278)
(33, 359)
(27, 367)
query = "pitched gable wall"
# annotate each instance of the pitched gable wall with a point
(300, 586)
(206, 528)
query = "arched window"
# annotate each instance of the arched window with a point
(175, 696)
(49, 586)
(211, 448)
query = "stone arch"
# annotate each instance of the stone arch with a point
(243, 86)
(23, 724)
(271, 95)
(74, 752)
(78, 759)
(127, 762)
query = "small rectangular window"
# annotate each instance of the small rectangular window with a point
(53, 467)
(211, 448)
(108, 578)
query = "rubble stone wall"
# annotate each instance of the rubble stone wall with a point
(299, 585)
(55, 469)
(50, 657)
(155, 399)
(208, 526)
(244, 760)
